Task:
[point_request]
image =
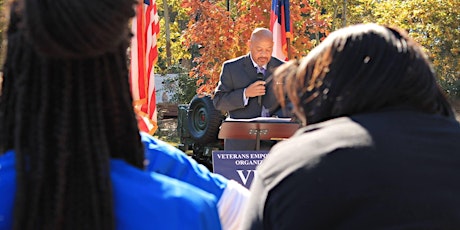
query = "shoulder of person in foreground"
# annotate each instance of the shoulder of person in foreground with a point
(165, 159)
(310, 143)
(304, 164)
(149, 200)
(304, 149)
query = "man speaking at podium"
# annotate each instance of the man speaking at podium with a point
(245, 87)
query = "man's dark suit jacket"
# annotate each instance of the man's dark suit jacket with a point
(386, 170)
(236, 75)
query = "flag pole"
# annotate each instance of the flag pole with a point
(288, 45)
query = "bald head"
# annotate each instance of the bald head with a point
(261, 45)
(261, 34)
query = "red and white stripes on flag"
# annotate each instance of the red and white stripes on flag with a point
(144, 55)
(280, 25)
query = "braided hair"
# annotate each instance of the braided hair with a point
(360, 69)
(66, 109)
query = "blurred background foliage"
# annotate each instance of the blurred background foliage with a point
(198, 35)
(203, 34)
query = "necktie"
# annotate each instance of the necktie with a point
(261, 70)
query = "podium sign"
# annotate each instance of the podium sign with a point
(238, 165)
(268, 128)
(241, 165)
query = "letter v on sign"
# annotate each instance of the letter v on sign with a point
(244, 178)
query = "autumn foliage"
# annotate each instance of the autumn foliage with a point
(222, 34)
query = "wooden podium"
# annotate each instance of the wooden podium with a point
(261, 128)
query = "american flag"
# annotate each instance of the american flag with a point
(144, 55)
(280, 25)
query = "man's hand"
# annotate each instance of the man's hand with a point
(255, 89)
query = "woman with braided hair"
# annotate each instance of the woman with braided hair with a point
(71, 156)
(380, 148)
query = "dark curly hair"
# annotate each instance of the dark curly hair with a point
(66, 109)
(360, 69)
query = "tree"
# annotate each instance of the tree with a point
(435, 24)
(204, 33)
(177, 23)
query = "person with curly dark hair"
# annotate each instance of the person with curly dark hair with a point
(71, 155)
(380, 148)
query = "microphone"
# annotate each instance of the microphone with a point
(260, 76)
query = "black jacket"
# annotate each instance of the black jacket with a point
(388, 170)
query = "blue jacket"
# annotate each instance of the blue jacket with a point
(168, 160)
(142, 200)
